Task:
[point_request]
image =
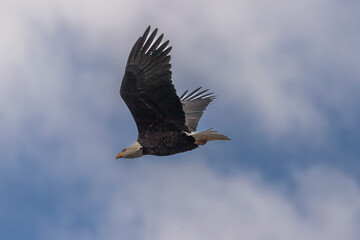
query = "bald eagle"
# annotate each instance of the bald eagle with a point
(166, 123)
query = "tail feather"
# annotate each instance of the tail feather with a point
(208, 135)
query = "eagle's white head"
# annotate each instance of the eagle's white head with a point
(134, 151)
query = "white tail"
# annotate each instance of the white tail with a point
(208, 135)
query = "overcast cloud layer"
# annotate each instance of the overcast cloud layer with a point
(287, 77)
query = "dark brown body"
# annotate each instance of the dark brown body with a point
(166, 143)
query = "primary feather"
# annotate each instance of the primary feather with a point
(194, 105)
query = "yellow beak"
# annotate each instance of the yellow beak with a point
(119, 155)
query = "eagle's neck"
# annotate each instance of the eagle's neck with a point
(134, 151)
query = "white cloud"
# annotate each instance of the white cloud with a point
(269, 59)
(256, 56)
(187, 200)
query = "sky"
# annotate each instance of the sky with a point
(286, 76)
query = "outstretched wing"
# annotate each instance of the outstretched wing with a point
(194, 104)
(147, 88)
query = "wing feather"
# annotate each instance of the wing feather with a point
(147, 88)
(194, 104)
